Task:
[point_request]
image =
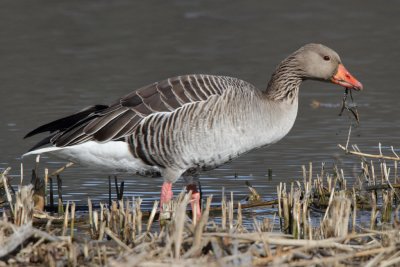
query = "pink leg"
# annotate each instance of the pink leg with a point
(195, 202)
(166, 194)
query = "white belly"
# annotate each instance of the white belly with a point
(113, 156)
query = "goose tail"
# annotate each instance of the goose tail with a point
(42, 150)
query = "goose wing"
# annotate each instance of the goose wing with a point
(104, 123)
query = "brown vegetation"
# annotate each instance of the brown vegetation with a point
(122, 234)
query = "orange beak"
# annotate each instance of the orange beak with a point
(345, 79)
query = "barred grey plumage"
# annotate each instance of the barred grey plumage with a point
(189, 123)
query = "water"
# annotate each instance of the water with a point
(57, 57)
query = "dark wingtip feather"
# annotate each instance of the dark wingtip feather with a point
(38, 130)
(66, 122)
(43, 142)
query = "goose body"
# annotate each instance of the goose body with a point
(185, 124)
(195, 136)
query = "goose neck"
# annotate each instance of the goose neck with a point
(285, 81)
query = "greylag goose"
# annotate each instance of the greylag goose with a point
(182, 125)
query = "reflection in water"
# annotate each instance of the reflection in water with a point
(58, 57)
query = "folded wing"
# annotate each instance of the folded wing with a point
(104, 123)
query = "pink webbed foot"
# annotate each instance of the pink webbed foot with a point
(166, 196)
(195, 202)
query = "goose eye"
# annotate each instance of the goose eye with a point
(327, 58)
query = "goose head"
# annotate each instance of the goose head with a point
(318, 62)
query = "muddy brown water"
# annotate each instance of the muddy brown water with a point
(57, 57)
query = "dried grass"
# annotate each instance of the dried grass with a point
(121, 234)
